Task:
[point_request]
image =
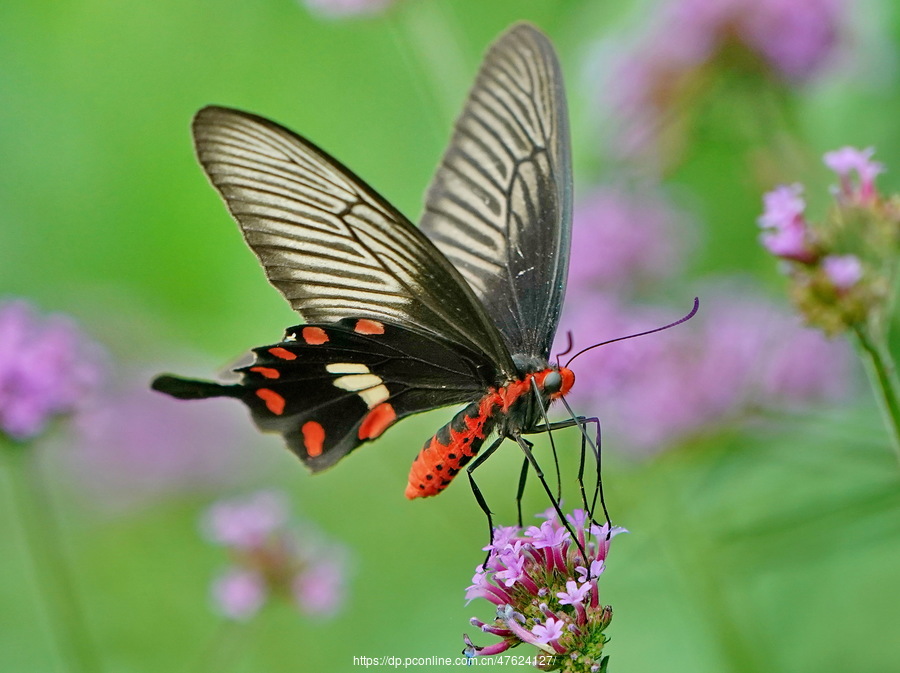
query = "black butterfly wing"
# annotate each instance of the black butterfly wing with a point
(330, 387)
(331, 245)
(499, 206)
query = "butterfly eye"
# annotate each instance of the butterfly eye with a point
(552, 382)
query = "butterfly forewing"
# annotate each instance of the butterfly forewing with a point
(328, 242)
(499, 206)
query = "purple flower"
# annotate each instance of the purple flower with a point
(686, 39)
(551, 630)
(786, 233)
(623, 235)
(797, 37)
(47, 368)
(133, 447)
(574, 593)
(844, 271)
(593, 571)
(248, 522)
(336, 9)
(782, 207)
(239, 594)
(503, 535)
(847, 160)
(550, 534)
(319, 589)
(272, 559)
(545, 606)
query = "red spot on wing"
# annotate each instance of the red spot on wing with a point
(267, 372)
(365, 326)
(274, 401)
(377, 421)
(313, 438)
(282, 353)
(314, 336)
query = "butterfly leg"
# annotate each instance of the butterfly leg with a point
(586, 441)
(479, 497)
(523, 476)
(526, 447)
(547, 424)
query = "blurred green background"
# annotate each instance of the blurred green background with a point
(770, 549)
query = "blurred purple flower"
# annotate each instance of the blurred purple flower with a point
(792, 38)
(246, 523)
(624, 236)
(847, 160)
(785, 231)
(844, 271)
(319, 589)
(272, 557)
(537, 600)
(336, 9)
(239, 594)
(48, 367)
(739, 356)
(134, 446)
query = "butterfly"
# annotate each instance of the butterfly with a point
(402, 319)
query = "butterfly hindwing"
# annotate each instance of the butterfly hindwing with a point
(499, 206)
(327, 388)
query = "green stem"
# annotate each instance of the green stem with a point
(52, 573)
(883, 377)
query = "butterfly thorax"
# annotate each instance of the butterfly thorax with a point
(511, 409)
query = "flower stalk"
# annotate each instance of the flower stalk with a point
(54, 578)
(882, 375)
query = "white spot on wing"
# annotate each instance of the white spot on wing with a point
(347, 368)
(357, 382)
(374, 396)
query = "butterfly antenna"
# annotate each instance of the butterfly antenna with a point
(568, 350)
(690, 315)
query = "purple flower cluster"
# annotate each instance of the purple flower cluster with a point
(792, 38)
(47, 368)
(839, 267)
(546, 591)
(788, 235)
(272, 558)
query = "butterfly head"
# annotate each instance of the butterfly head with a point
(556, 382)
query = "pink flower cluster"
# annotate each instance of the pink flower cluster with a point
(47, 368)
(788, 235)
(545, 589)
(271, 558)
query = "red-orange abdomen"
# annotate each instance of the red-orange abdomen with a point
(450, 449)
